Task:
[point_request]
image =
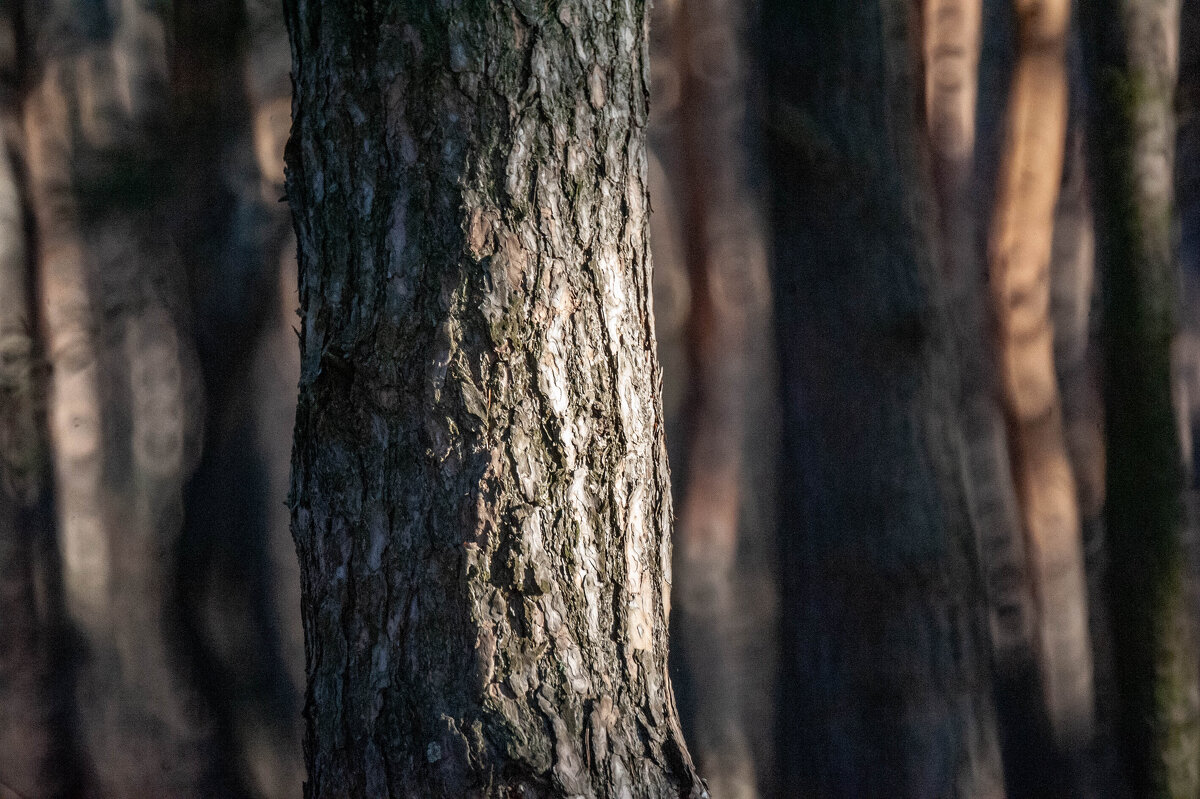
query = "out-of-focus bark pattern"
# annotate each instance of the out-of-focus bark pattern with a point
(1072, 279)
(1019, 254)
(239, 577)
(712, 316)
(1134, 57)
(151, 236)
(30, 742)
(950, 48)
(886, 666)
(123, 385)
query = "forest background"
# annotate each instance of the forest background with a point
(927, 303)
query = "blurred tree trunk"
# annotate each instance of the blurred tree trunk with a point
(1019, 268)
(123, 388)
(886, 656)
(715, 346)
(1133, 60)
(35, 756)
(228, 79)
(480, 496)
(156, 256)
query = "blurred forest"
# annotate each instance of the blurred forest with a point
(927, 304)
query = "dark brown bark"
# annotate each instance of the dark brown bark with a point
(480, 497)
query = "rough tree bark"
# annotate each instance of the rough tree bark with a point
(886, 655)
(480, 496)
(1134, 47)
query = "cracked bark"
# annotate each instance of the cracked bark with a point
(480, 496)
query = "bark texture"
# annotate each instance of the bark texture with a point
(1019, 256)
(886, 653)
(480, 495)
(1133, 62)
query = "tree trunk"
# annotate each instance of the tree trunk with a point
(480, 496)
(1019, 253)
(30, 739)
(723, 637)
(886, 655)
(123, 392)
(1133, 60)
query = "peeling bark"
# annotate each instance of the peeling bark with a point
(1019, 254)
(480, 497)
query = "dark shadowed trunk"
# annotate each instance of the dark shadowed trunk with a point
(886, 653)
(480, 498)
(1134, 46)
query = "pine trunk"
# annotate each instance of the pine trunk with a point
(886, 655)
(480, 495)
(1133, 62)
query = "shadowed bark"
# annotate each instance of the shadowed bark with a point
(1134, 48)
(886, 658)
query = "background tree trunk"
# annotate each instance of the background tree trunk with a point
(713, 323)
(1133, 61)
(1019, 268)
(886, 655)
(480, 497)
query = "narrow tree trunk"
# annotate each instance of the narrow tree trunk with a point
(123, 383)
(233, 232)
(889, 687)
(725, 337)
(28, 734)
(1132, 65)
(1019, 253)
(480, 498)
